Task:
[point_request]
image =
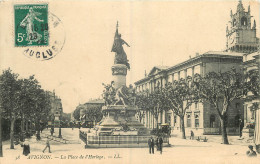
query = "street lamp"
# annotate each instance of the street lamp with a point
(60, 136)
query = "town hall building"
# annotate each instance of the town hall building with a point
(201, 117)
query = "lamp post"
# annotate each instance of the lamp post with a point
(60, 136)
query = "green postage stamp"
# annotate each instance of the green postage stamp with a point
(31, 25)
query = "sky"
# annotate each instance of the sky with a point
(159, 33)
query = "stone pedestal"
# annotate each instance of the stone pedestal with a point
(120, 119)
(119, 72)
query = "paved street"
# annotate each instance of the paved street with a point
(182, 151)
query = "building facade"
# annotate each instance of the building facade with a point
(241, 40)
(200, 116)
(56, 109)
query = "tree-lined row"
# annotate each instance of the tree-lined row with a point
(218, 89)
(23, 99)
(90, 113)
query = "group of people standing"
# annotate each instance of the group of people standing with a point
(158, 142)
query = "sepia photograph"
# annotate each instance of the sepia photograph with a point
(129, 82)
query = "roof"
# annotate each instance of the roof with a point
(96, 101)
(223, 53)
(159, 68)
(209, 54)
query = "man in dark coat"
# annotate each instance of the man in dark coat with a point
(191, 135)
(26, 148)
(151, 145)
(160, 144)
(157, 143)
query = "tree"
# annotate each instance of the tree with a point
(65, 119)
(252, 82)
(142, 101)
(220, 89)
(25, 100)
(21, 99)
(9, 89)
(156, 103)
(76, 113)
(179, 96)
(42, 107)
(93, 113)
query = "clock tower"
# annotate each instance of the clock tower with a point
(241, 35)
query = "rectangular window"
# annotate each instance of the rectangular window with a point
(197, 121)
(188, 121)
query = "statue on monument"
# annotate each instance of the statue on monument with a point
(125, 96)
(121, 96)
(120, 56)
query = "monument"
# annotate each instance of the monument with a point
(119, 127)
(120, 109)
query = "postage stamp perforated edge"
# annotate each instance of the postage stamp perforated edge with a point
(18, 3)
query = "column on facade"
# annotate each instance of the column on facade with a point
(151, 120)
(172, 119)
(159, 118)
(161, 81)
(146, 119)
(192, 71)
(152, 85)
(202, 69)
(185, 73)
(164, 114)
(245, 114)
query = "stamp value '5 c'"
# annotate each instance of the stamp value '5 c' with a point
(31, 25)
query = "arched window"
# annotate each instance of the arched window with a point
(212, 121)
(243, 21)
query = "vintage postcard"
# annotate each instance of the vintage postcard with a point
(127, 82)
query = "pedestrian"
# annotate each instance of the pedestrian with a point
(52, 131)
(160, 144)
(169, 131)
(47, 145)
(151, 145)
(241, 126)
(251, 152)
(157, 143)
(26, 148)
(38, 136)
(191, 135)
(41, 129)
